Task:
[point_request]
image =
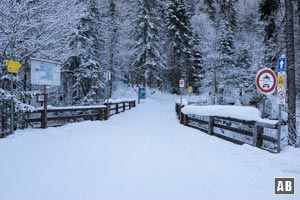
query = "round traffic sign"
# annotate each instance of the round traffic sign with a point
(281, 94)
(181, 83)
(266, 81)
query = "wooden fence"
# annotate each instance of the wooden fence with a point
(244, 131)
(57, 116)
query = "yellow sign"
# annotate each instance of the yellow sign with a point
(12, 66)
(190, 88)
(280, 80)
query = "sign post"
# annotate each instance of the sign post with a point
(181, 86)
(281, 94)
(45, 73)
(12, 67)
(265, 82)
(108, 79)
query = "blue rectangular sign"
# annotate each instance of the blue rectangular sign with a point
(281, 64)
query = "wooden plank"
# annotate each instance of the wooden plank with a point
(235, 141)
(197, 120)
(237, 120)
(72, 117)
(30, 120)
(68, 109)
(265, 125)
(197, 127)
(269, 138)
(211, 125)
(237, 130)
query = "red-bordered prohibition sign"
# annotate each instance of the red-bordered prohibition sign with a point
(266, 81)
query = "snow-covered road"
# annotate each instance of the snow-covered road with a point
(142, 154)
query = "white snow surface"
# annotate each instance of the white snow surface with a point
(69, 107)
(141, 154)
(238, 112)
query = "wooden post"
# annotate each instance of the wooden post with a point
(133, 104)
(117, 108)
(211, 125)
(12, 124)
(124, 107)
(44, 115)
(181, 118)
(129, 104)
(107, 110)
(185, 120)
(259, 133)
(279, 129)
(100, 113)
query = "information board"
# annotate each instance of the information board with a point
(45, 72)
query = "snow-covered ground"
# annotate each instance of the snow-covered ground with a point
(142, 154)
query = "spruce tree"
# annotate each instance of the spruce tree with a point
(268, 14)
(148, 60)
(180, 40)
(86, 73)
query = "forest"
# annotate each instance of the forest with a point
(216, 46)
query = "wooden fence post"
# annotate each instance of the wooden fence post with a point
(129, 105)
(100, 114)
(124, 107)
(185, 120)
(259, 132)
(107, 110)
(211, 125)
(117, 108)
(181, 118)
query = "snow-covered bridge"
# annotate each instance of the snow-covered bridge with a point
(141, 154)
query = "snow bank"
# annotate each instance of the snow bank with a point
(238, 112)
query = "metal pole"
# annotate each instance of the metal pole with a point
(180, 104)
(264, 106)
(279, 129)
(12, 105)
(45, 106)
(139, 95)
(107, 100)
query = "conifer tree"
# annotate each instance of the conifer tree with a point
(268, 14)
(148, 60)
(86, 73)
(180, 40)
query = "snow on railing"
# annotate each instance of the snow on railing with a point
(238, 124)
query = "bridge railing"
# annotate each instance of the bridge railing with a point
(58, 116)
(62, 115)
(262, 135)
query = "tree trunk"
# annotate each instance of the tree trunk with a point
(291, 81)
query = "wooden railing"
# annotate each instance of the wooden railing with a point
(252, 132)
(101, 112)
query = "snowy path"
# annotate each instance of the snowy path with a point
(143, 154)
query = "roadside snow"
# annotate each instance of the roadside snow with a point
(142, 154)
(238, 112)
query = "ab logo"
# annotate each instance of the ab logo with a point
(284, 185)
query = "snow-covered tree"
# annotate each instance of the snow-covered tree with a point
(180, 38)
(83, 71)
(148, 60)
